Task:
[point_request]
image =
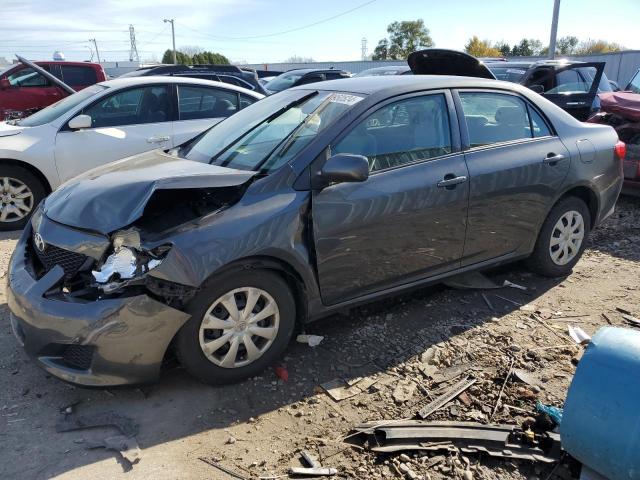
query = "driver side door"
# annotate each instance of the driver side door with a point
(125, 123)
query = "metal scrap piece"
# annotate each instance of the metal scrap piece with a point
(446, 397)
(467, 437)
(315, 472)
(106, 419)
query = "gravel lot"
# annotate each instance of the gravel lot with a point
(258, 427)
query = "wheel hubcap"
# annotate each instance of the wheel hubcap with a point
(16, 200)
(566, 238)
(239, 327)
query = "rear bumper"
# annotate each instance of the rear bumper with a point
(93, 343)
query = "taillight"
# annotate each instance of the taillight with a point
(620, 149)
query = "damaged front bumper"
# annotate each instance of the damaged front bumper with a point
(104, 342)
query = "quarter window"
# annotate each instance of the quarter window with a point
(131, 107)
(400, 133)
(203, 102)
(494, 118)
(74, 75)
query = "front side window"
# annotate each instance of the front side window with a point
(270, 133)
(27, 77)
(205, 102)
(496, 117)
(576, 80)
(134, 106)
(401, 132)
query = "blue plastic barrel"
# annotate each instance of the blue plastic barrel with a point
(601, 420)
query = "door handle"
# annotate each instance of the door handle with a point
(450, 181)
(157, 139)
(553, 158)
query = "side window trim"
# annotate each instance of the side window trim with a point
(454, 130)
(464, 131)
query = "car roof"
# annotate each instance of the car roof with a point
(400, 83)
(388, 68)
(152, 79)
(310, 70)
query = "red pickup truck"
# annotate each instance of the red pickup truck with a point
(24, 91)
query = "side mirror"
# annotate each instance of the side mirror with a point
(79, 122)
(5, 84)
(537, 88)
(345, 167)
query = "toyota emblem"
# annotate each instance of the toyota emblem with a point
(40, 245)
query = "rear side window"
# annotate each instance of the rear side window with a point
(335, 75)
(131, 107)
(205, 102)
(495, 118)
(74, 75)
(245, 101)
(400, 133)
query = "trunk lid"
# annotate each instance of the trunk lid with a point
(440, 61)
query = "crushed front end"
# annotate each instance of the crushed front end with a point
(84, 307)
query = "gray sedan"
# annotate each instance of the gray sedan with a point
(308, 202)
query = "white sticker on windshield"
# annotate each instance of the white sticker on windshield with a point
(513, 70)
(345, 98)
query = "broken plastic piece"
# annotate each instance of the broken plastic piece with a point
(554, 412)
(282, 373)
(578, 335)
(123, 262)
(311, 340)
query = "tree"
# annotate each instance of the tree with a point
(404, 37)
(299, 59)
(590, 46)
(201, 58)
(504, 48)
(527, 47)
(480, 48)
(191, 50)
(566, 45)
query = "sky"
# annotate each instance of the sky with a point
(258, 31)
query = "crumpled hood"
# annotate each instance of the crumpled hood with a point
(113, 196)
(6, 130)
(625, 104)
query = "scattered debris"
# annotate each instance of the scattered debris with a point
(504, 384)
(554, 412)
(486, 300)
(507, 283)
(513, 302)
(311, 340)
(467, 437)
(631, 319)
(224, 469)
(125, 446)
(525, 377)
(106, 419)
(310, 459)
(578, 335)
(282, 373)
(446, 397)
(314, 472)
(338, 389)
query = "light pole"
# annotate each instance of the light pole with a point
(554, 29)
(173, 37)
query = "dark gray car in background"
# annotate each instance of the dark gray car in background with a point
(308, 202)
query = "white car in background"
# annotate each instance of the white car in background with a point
(102, 123)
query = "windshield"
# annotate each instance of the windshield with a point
(283, 81)
(271, 132)
(634, 84)
(508, 74)
(61, 107)
(379, 72)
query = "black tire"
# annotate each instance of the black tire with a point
(32, 182)
(187, 342)
(540, 260)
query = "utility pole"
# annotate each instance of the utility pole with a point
(363, 46)
(95, 44)
(133, 52)
(173, 37)
(554, 29)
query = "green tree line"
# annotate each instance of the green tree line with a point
(200, 58)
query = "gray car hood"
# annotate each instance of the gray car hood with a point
(113, 196)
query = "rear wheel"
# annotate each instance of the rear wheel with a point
(20, 193)
(562, 238)
(241, 323)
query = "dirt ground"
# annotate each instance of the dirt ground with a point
(407, 349)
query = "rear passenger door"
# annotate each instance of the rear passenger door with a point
(516, 165)
(407, 221)
(201, 107)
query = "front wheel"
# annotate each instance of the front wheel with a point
(241, 323)
(562, 239)
(20, 193)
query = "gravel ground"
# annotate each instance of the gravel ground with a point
(407, 350)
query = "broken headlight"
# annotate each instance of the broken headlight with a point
(127, 262)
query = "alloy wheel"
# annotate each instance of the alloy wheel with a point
(566, 238)
(16, 200)
(239, 327)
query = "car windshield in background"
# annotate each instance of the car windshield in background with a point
(284, 81)
(578, 80)
(634, 84)
(268, 134)
(508, 74)
(61, 107)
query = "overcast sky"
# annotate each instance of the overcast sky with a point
(270, 30)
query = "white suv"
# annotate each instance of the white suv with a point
(104, 122)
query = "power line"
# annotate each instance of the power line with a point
(309, 25)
